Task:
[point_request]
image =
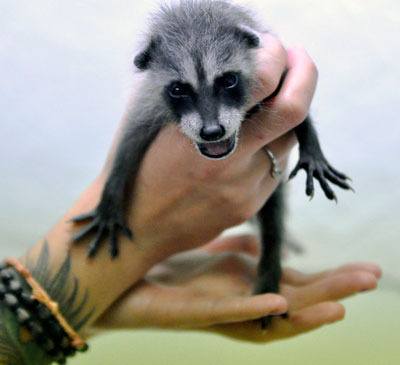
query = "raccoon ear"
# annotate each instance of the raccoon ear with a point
(143, 59)
(248, 35)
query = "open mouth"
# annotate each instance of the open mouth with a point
(217, 150)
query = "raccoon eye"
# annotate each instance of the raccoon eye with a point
(179, 90)
(229, 80)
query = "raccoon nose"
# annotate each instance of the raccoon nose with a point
(212, 132)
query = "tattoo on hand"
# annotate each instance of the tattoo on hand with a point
(60, 289)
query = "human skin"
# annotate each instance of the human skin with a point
(209, 289)
(181, 200)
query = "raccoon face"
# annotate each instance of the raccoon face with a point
(211, 113)
(206, 82)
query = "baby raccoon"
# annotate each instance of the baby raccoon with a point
(199, 65)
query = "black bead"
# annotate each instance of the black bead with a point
(27, 299)
(54, 328)
(40, 339)
(6, 275)
(35, 317)
(48, 345)
(23, 315)
(65, 342)
(15, 286)
(11, 301)
(43, 313)
(70, 352)
(35, 329)
(3, 291)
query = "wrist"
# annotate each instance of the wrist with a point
(99, 282)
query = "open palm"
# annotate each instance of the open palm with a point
(210, 289)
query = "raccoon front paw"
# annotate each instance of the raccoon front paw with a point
(319, 168)
(104, 226)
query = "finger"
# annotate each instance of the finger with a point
(289, 108)
(246, 243)
(316, 316)
(235, 309)
(282, 146)
(299, 322)
(330, 288)
(297, 278)
(255, 169)
(151, 305)
(271, 60)
(260, 164)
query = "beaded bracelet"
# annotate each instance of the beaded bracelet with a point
(38, 316)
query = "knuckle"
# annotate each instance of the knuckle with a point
(266, 82)
(276, 50)
(293, 111)
(270, 65)
(257, 128)
(313, 69)
(232, 261)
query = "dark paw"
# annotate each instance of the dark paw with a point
(103, 227)
(266, 322)
(320, 169)
(267, 283)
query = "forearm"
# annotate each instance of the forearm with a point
(102, 278)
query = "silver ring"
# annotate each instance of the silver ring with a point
(276, 171)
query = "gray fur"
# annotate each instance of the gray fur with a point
(189, 32)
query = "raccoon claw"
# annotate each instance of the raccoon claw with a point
(84, 217)
(86, 231)
(320, 169)
(339, 174)
(104, 227)
(267, 282)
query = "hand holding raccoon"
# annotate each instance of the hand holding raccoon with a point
(170, 211)
(200, 73)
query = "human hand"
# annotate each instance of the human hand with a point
(210, 289)
(182, 200)
(178, 191)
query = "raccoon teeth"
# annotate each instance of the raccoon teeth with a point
(218, 150)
